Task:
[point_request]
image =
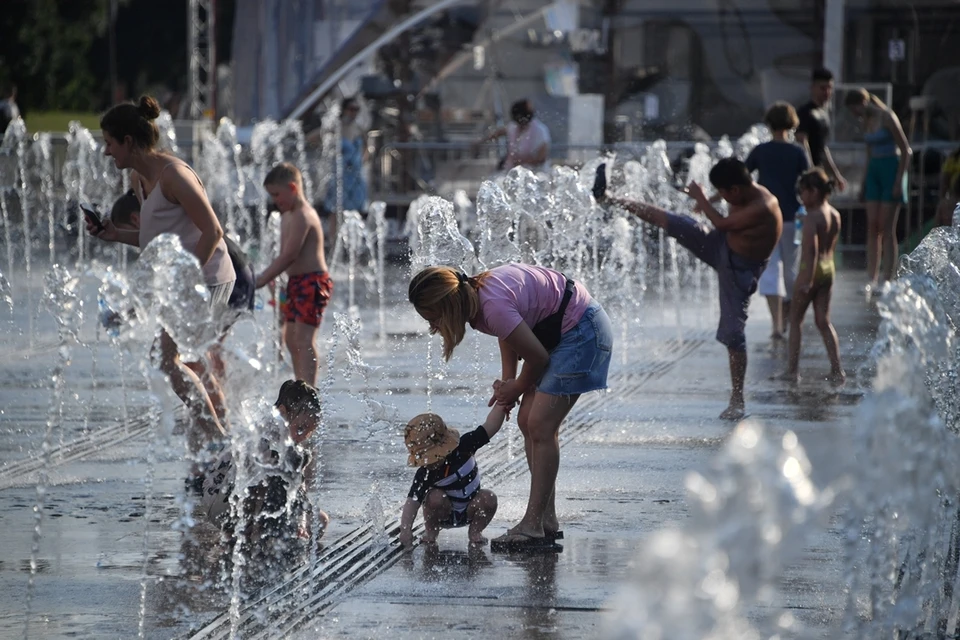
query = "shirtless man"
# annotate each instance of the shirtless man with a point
(738, 247)
(309, 286)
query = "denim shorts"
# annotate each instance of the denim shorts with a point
(582, 359)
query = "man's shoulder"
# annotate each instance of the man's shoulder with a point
(765, 199)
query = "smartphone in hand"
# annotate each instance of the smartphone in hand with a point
(91, 213)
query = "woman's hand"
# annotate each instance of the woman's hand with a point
(508, 392)
(108, 233)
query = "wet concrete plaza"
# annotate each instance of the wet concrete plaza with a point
(109, 564)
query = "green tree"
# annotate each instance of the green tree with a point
(45, 49)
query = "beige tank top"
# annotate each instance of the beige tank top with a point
(158, 215)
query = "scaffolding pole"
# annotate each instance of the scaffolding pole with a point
(202, 54)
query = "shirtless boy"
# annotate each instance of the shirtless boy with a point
(309, 286)
(738, 248)
(821, 229)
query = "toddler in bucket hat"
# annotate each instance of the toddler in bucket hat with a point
(429, 440)
(447, 482)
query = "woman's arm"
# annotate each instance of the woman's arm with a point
(508, 361)
(535, 361)
(182, 187)
(893, 123)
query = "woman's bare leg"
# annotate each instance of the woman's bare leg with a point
(889, 212)
(874, 238)
(190, 389)
(542, 430)
(550, 522)
(211, 384)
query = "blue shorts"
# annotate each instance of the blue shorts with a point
(455, 520)
(582, 359)
(737, 277)
(880, 178)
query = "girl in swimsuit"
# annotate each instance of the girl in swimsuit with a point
(814, 284)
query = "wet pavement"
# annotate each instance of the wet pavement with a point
(109, 564)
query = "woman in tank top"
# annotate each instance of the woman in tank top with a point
(885, 183)
(173, 200)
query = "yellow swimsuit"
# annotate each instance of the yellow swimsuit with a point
(824, 273)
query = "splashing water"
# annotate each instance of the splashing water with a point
(348, 327)
(378, 520)
(6, 293)
(168, 132)
(902, 525)
(168, 286)
(60, 294)
(48, 195)
(439, 241)
(750, 514)
(378, 213)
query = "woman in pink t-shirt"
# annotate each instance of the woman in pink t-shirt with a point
(564, 338)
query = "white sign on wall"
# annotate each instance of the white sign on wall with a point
(897, 49)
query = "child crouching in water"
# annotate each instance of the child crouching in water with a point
(447, 484)
(821, 229)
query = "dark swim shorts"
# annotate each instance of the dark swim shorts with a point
(738, 277)
(307, 297)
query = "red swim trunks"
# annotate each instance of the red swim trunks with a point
(307, 297)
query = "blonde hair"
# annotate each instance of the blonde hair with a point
(282, 175)
(862, 97)
(781, 116)
(449, 294)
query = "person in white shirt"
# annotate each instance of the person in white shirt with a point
(528, 139)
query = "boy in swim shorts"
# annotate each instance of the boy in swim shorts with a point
(738, 247)
(447, 483)
(309, 286)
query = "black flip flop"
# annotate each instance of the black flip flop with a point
(600, 183)
(553, 535)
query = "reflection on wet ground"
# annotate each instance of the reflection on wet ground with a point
(625, 455)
